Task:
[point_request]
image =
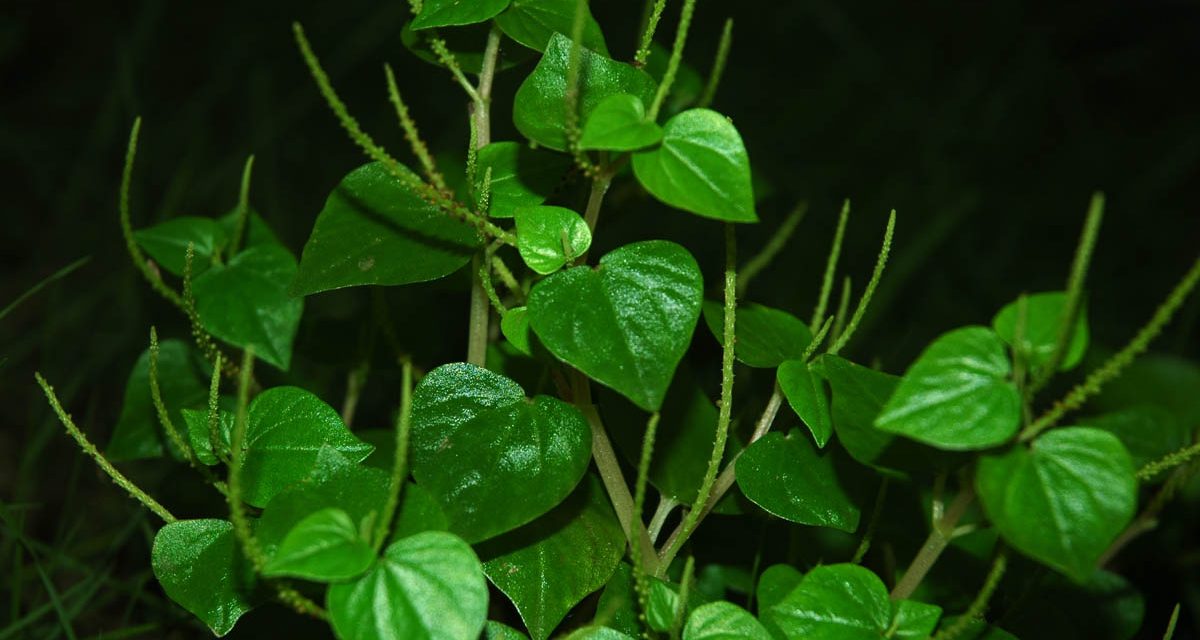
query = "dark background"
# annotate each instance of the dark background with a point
(986, 125)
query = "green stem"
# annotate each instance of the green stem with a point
(718, 68)
(681, 33)
(400, 461)
(479, 315)
(932, 549)
(876, 276)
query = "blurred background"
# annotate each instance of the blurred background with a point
(986, 125)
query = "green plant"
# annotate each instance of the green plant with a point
(503, 485)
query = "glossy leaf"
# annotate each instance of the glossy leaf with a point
(618, 123)
(534, 22)
(723, 621)
(450, 13)
(246, 302)
(957, 394)
(374, 230)
(498, 631)
(426, 587)
(775, 583)
(200, 566)
(912, 620)
(1076, 483)
(539, 111)
(1043, 313)
(200, 438)
(520, 176)
(549, 565)
(183, 382)
(789, 478)
(701, 167)
(625, 323)
(419, 512)
(326, 546)
(515, 327)
(167, 243)
(662, 604)
(615, 608)
(834, 602)
(477, 441)
(550, 237)
(766, 337)
(805, 393)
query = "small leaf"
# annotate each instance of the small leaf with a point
(533, 23)
(200, 438)
(183, 382)
(912, 620)
(550, 237)
(167, 243)
(805, 393)
(662, 605)
(375, 230)
(521, 176)
(539, 111)
(701, 167)
(451, 13)
(477, 441)
(429, 586)
(618, 123)
(834, 602)
(957, 394)
(775, 584)
(766, 337)
(1076, 483)
(1043, 313)
(200, 566)
(515, 327)
(326, 546)
(789, 478)
(625, 323)
(723, 621)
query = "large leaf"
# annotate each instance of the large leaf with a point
(167, 242)
(375, 230)
(326, 546)
(765, 337)
(200, 566)
(246, 302)
(618, 123)
(957, 394)
(1076, 484)
(789, 478)
(183, 382)
(540, 108)
(550, 237)
(450, 13)
(805, 393)
(549, 565)
(845, 602)
(477, 442)
(426, 587)
(1043, 314)
(701, 167)
(520, 176)
(723, 621)
(534, 22)
(625, 323)
(286, 428)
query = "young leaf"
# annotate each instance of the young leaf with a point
(326, 546)
(451, 13)
(834, 602)
(375, 230)
(766, 337)
(520, 176)
(789, 478)
(662, 605)
(957, 394)
(912, 620)
(477, 441)
(199, 437)
(1076, 483)
(167, 242)
(515, 327)
(625, 323)
(246, 302)
(428, 586)
(618, 123)
(200, 566)
(1043, 313)
(701, 167)
(723, 621)
(805, 393)
(549, 565)
(183, 381)
(550, 237)
(775, 584)
(539, 111)
(534, 22)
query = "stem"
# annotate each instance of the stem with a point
(876, 275)
(1169, 461)
(666, 504)
(681, 33)
(718, 68)
(938, 538)
(151, 273)
(477, 337)
(400, 461)
(975, 610)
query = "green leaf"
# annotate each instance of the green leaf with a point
(701, 167)
(497, 631)
(515, 327)
(914, 620)
(834, 602)
(477, 442)
(256, 233)
(805, 393)
(539, 111)
(375, 230)
(615, 608)
(625, 323)
(789, 478)
(1076, 483)
(326, 546)
(200, 566)
(549, 565)
(618, 123)
(766, 337)
(426, 587)
(199, 437)
(723, 621)
(286, 428)
(1148, 432)
(246, 302)
(1043, 313)
(451, 13)
(957, 394)
(183, 381)
(521, 176)
(775, 583)
(662, 605)
(167, 242)
(466, 43)
(534, 22)
(550, 237)
(419, 512)
(598, 633)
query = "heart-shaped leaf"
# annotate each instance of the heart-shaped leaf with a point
(789, 478)
(451, 13)
(912, 620)
(477, 441)
(246, 302)
(200, 566)
(723, 621)
(1043, 313)
(618, 123)
(515, 327)
(775, 584)
(840, 602)
(539, 111)
(701, 167)
(326, 546)
(550, 565)
(1076, 483)
(167, 242)
(550, 237)
(534, 22)
(625, 323)
(805, 393)
(766, 337)
(375, 230)
(429, 587)
(957, 394)
(520, 176)
(183, 382)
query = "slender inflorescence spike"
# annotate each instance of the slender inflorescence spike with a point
(152, 275)
(214, 411)
(447, 58)
(419, 148)
(685, 587)
(664, 87)
(843, 309)
(571, 126)
(876, 275)
(774, 245)
(1169, 461)
(201, 337)
(818, 339)
(164, 417)
(643, 52)
(975, 611)
(835, 251)
(400, 462)
(718, 68)
(243, 208)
